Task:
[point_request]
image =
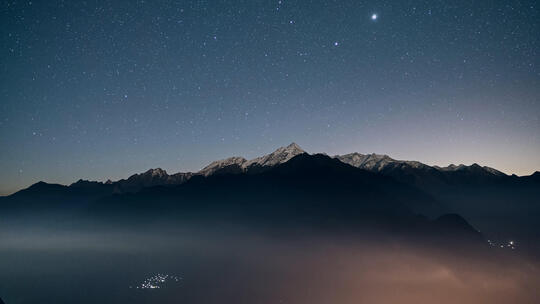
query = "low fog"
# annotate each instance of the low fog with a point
(218, 263)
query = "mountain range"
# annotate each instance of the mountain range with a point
(290, 185)
(411, 172)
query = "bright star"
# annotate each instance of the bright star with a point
(374, 17)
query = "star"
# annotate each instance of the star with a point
(374, 17)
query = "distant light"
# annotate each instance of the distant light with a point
(155, 282)
(374, 17)
(511, 242)
(336, 43)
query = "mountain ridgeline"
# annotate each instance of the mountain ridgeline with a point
(410, 172)
(290, 186)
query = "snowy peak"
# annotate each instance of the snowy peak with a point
(493, 171)
(219, 165)
(372, 162)
(155, 173)
(450, 167)
(152, 177)
(241, 165)
(409, 172)
(378, 163)
(281, 155)
(293, 147)
(148, 178)
(473, 168)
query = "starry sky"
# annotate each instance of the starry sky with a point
(105, 89)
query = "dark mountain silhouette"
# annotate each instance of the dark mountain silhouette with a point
(506, 206)
(152, 177)
(307, 190)
(305, 181)
(290, 185)
(43, 196)
(432, 179)
(535, 177)
(454, 225)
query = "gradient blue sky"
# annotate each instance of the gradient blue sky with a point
(105, 89)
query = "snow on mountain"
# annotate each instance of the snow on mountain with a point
(376, 162)
(152, 177)
(462, 167)
(240, 164)
(379, 163)
(219, 165)
(277, 157)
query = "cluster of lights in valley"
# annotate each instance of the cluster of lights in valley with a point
(157, 281)
(509, 245)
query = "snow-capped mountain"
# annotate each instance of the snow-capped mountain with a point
(234, 164)
(231, 165)
(409, 172)
(419, 174)
(376, 162)
(152, 177)
(281, 155)
(381, 163)
(242, 165)
(473, 167)
(288, 180)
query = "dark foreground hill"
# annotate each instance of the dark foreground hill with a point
(307, 191)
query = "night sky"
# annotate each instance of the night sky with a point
(105, 89)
